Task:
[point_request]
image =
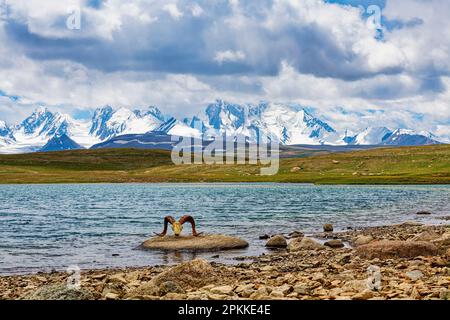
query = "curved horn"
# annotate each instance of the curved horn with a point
(189, 219)
(167, 220)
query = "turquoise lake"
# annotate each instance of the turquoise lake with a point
(46, 227)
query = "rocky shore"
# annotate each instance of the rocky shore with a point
(407, 261)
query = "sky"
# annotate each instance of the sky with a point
(355, 63)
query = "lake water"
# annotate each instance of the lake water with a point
(45, 227)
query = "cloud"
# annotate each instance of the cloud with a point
(182, 54)
(229, 56)
(173, 10)
(196, 10)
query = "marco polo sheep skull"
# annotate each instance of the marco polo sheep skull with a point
(177, 226)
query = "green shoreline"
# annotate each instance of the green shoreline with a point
(388, 166)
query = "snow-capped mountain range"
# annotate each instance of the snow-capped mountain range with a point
(290, 124)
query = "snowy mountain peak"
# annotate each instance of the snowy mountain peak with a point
(408, 137)
(108, 123)
(150, 111)
(6, 134)
(222, 115)
(370, 136)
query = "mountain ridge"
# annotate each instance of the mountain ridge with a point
(290, 124)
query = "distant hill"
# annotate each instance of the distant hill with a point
(59, 143)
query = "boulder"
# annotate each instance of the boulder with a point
(207, 242)
(192, 274)
(386, 249)
(277, 241)
(335, 244)
(188, 275)
(304, 243)
(328, 227)
(362, 240)
(60, 292)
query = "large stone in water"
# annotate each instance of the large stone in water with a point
(207, 242)
(277, 241)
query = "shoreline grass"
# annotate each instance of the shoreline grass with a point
(387, 166)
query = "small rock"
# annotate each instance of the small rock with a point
(345, 258)
(295, 169)
(111, 296)
(304, 243)
(328, 227)
(362, 240)
(277, 241)
(267, 268)
(439, 262)
(245, 291)
(146, 289)
(117, 278)
(335, 244)
(425, 236)
(415, 275)
(444, 240)
(355, 286)
(99, 276)
(264, 237)
(175, 296)
(169, 287)
(226, 290)
(285, 289)
(335, 162)
(276, 294)
(423, 213)
(296, 234)
(302, 289)
(444, 294)
(364, 295)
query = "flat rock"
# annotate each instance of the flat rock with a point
(386, 249)
(207, 242)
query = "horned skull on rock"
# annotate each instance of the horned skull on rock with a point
(177, 226)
